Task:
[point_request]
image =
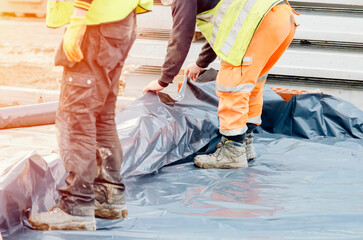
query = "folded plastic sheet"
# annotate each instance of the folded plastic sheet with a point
(158, 127)
(296, 188)
(28, 181)
(311, 115)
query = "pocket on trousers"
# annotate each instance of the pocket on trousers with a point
(115, 41)
(76, 92)
(61, 58)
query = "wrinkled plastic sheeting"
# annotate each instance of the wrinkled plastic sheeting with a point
(296, 189)
(311, 115)
(155, 130)
(304, 188)
(27, 182)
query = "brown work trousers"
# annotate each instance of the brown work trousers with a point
(86, 129)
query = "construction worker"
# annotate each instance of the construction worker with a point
(249, 36)
(94, 48)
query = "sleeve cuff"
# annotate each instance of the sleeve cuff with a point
(201, 64)
(163, 84)
(165, 80)
(82, 4)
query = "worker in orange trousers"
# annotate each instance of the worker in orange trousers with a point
(239, 86)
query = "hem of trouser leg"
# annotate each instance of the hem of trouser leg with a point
(80, 210)
(262, 78)
(233, 132)
(255, 120)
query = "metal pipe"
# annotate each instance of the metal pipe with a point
(28, 115)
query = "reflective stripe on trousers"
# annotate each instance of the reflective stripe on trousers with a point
(238, 88)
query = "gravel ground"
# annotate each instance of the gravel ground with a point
(27, 49)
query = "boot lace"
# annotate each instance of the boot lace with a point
(220, 152)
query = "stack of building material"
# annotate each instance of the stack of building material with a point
(21, 7)
(149, 50)
(327, 51)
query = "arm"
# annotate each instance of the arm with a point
(82, 4)
(184, 18)
(206, 56)
(76, 30)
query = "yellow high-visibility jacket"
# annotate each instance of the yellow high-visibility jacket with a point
(230, 25)
(101, 11)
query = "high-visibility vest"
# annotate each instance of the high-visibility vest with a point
(230, 25)
(101, 11)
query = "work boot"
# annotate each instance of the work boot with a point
(110, 201)
(251, 154)
(57, 219)
(229, 154)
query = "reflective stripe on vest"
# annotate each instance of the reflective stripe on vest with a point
(229, 27)
(59, 12)
(237, 26)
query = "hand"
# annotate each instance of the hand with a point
(154, 86)
(166, 2)
(193, 71)
(72, 38)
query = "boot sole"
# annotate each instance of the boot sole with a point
(120, 213)
(222, 166)
(250, 153)
(65, 226)
(250, 157)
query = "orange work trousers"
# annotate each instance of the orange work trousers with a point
(240, 88)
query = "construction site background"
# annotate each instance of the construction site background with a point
(325, 55)
(27, 49)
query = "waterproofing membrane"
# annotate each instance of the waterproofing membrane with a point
(304, 185)
(311, 116)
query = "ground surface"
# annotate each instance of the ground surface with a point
(27, 49)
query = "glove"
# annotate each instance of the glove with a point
(73, 37)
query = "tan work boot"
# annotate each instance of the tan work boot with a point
(110, 211)
(229, 154)
(251, 154)
(110, 201)
(57, 219)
